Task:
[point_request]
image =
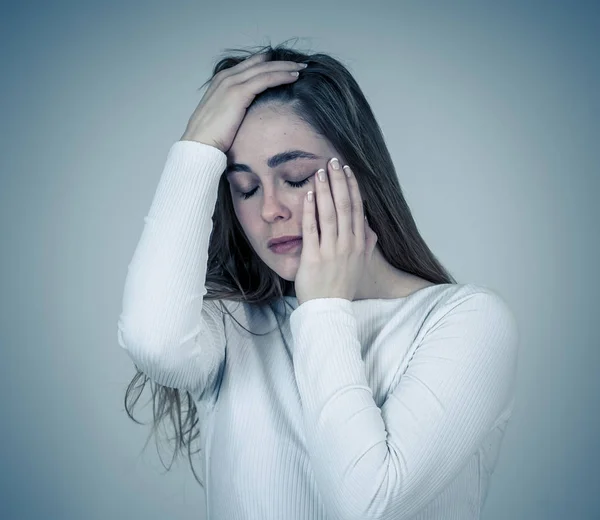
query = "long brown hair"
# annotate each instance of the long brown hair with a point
(327, 97)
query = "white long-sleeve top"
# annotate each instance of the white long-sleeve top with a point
(375, 409)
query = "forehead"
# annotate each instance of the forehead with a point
(266, 131)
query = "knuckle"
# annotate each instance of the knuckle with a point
(227, 81)
(236, 90)
(344, 205)
(312, 228)
(221, 76)
(330, 218)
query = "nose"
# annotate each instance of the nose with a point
(274, 207)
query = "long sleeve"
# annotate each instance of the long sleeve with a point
(164, 326)
(390, 462)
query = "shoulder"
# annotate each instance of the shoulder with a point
(474, 312)
(474, 297)
(461, 310)
(441, 299)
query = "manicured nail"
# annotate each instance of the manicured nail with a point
(321, 175)
(335, 164)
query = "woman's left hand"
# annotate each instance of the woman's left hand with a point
(332, 264)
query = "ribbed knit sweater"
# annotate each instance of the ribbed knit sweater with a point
(370, 409)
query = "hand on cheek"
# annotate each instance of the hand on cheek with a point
(337, 242)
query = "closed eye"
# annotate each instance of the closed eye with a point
(299, 184)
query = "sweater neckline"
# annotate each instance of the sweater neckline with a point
(384, 301)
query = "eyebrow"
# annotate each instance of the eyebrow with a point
(273, 162)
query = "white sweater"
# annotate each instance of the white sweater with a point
(387, 409)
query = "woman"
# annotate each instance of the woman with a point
(386, 391)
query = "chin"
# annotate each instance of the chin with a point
(288, 274)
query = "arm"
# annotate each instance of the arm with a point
(168, 331)
(390, 462)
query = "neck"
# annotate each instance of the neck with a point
(380, 280)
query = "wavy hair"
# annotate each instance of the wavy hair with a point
(328, 98)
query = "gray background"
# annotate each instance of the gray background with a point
(491, 113)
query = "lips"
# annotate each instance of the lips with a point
(284, 240)
(287, 246)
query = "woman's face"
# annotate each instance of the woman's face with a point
(273, 207)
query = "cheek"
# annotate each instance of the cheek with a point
(249, 220)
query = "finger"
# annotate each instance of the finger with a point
(310, 234)
(245, 64)
(327, 212)
(277, 67)
(253, 66)
(248, 62)
(358, 218)
(343, 205)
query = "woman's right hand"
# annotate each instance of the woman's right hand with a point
(221, 110)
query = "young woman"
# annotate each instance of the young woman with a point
(281, 286)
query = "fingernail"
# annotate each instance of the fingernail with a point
(335, 164)
(321, 175)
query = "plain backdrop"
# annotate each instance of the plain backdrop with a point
(491, 114)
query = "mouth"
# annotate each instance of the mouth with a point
(283, 240)
(285, 247)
